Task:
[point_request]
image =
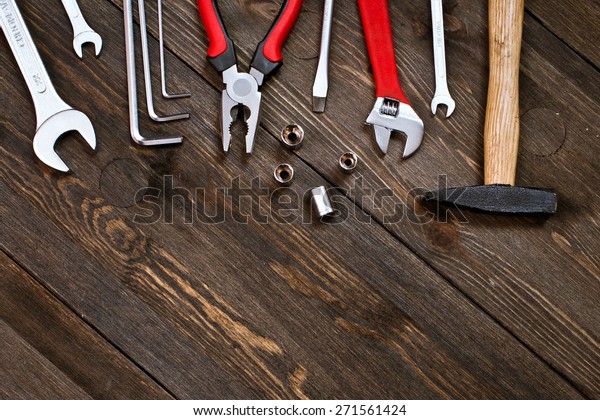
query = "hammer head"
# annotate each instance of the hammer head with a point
(499, 199)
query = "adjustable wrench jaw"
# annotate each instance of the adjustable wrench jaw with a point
(241, 89)
(392, 115)
(392, 111)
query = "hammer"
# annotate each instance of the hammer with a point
(501, 133)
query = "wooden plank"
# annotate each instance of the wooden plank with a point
(67, 342)
(575, 22)
(26, 374)
(513, 268)
(235, 310)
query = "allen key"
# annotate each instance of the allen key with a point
(163, 72)
(147, 74)
(132, 87)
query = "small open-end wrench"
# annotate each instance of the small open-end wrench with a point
(81, 30)
(54, 116)
(442, 94)
(392, 111)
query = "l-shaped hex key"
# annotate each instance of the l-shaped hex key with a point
(132, 87)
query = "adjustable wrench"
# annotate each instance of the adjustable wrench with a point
(54, 116)
(392, 111)
(442, 95)
(82, 31)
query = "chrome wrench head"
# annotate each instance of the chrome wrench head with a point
(83, 34)
(391, 115)
(241, 90)
(444, 99)
(88, 37)
(55, 127)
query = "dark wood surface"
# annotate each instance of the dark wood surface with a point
(96, 303)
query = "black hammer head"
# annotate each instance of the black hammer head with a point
(500, 199)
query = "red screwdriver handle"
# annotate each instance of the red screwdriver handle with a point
(380, 43)
(268, 57)
(221, 51)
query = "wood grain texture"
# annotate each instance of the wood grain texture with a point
(26, 374)
(65, 341)
(574, 22)
(292, 310)
(502, 125)
(514, 269)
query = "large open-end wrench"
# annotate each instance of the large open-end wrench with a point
(442, 94)
(82, 33)
(54, 116)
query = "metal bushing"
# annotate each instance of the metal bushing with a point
(292, 136)
(348, 162)
(321, 201)
(284, 174)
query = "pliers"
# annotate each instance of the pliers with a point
(242, 89)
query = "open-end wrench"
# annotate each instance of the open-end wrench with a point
(54, 116)
(442, 94)
(392, 111)
(132, 85)
(82, 31)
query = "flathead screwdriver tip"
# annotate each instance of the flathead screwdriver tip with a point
(318, 104)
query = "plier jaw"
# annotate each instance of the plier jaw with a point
(242, 89)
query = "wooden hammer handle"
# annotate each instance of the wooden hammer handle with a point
(501, 135)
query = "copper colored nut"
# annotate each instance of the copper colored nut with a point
(348, 162)
(284, 174)
(292, 136)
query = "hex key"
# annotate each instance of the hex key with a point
(163, 72)
(132, 88)
(147, 74)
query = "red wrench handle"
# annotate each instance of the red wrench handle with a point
(380, 43)
(268, 57)
(221, 51)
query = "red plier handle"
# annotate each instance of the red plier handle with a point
(380, 43)
(268, 57)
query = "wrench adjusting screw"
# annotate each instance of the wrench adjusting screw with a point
(348, 162)
(292, 136)
(284, 174)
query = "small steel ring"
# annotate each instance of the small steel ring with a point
(292, 136)
(348, 162)
(284, 174)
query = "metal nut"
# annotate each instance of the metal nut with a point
(292, 136)
(284, 174)
(321, 201)
(348, 162)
